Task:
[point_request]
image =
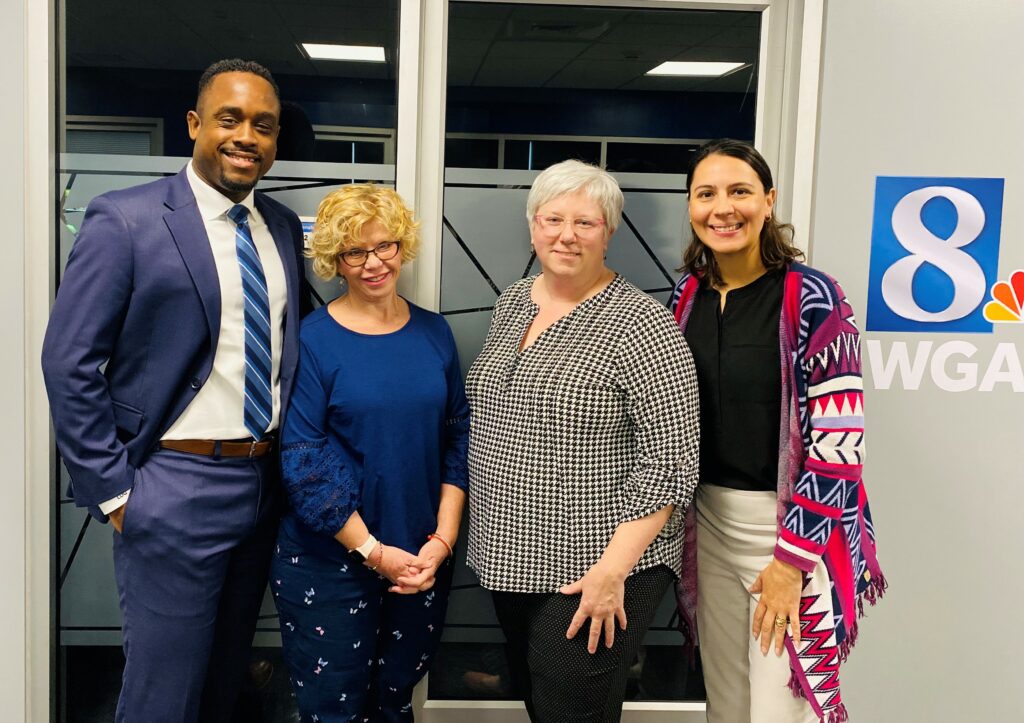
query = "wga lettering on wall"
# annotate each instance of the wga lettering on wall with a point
(934, 270)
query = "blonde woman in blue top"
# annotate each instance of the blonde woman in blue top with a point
(374, 458)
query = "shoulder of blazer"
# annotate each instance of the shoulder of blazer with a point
(270, 203)
(271, 206)
(172, 191)
(177, 191)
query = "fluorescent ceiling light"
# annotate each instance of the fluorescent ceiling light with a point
(706, 70)
(359, 53)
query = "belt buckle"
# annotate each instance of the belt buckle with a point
(252, 448)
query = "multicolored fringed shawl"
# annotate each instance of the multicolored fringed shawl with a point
(822, 505)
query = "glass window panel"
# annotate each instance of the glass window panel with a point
(131, 143)
(349, 151)
(538, 155)
(471, 153)
(649, 157)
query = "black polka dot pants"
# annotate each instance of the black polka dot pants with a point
(559, 680)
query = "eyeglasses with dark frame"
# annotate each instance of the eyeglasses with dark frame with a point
(384, 251)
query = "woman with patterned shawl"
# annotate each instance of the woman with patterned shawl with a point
(780, 550)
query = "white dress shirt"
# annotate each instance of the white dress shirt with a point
(216, 412)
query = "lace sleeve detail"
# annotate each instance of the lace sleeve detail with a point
(320, 486)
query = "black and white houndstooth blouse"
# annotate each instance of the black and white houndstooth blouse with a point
(592, 425)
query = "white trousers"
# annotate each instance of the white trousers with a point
(736, 533)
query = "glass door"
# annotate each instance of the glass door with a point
(529, 85)
(129, 76)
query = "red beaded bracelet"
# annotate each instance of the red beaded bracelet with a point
(444, 542)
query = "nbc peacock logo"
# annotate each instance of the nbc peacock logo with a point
(1007, 305)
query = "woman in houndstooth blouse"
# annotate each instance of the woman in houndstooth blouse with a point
(583, 456)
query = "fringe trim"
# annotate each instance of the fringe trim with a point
(838, 715)
(689, 640)
(874, 592)
(794, 685)
(847, 645)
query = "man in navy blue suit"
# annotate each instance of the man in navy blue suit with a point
(163, 414)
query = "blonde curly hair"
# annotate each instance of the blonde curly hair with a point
(342, 215)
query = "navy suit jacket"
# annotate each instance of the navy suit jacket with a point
(140, 295)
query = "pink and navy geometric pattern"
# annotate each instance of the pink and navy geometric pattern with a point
(819, 655)
(823, 507)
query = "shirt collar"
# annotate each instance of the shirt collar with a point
(211, 202)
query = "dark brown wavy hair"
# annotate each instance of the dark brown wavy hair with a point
(777, 247)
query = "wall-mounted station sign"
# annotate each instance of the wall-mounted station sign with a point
(934, 270)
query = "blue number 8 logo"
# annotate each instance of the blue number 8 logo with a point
(901, 297)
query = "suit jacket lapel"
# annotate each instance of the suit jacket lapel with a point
(189, 234)
(285, 242)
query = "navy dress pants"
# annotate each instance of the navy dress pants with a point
(191, 566)
(354, 650)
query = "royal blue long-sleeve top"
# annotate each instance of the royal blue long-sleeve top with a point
(376, 424)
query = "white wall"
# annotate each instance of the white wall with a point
(931, 88)
(12, 362)
(26, 189)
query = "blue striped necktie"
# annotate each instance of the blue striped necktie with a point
(259, 403)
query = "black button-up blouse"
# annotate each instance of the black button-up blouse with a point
(738, 367)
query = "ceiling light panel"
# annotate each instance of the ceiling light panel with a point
(694, 69)
(355, 53)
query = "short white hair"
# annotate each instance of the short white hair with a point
(572, 177)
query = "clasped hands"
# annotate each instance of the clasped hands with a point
(408, 573)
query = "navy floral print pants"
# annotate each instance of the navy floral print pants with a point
(354, 650)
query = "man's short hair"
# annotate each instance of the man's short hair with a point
(235, 65)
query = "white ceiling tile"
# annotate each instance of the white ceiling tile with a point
(533, 44)
(592, 74)
(473, 28)
(679, 36)
(536, 50)
(522, 73)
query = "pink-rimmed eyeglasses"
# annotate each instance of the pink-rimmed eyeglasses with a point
(553, 225)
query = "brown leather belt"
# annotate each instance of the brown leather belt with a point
(217, 448)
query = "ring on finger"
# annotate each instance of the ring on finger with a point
(780, 622)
